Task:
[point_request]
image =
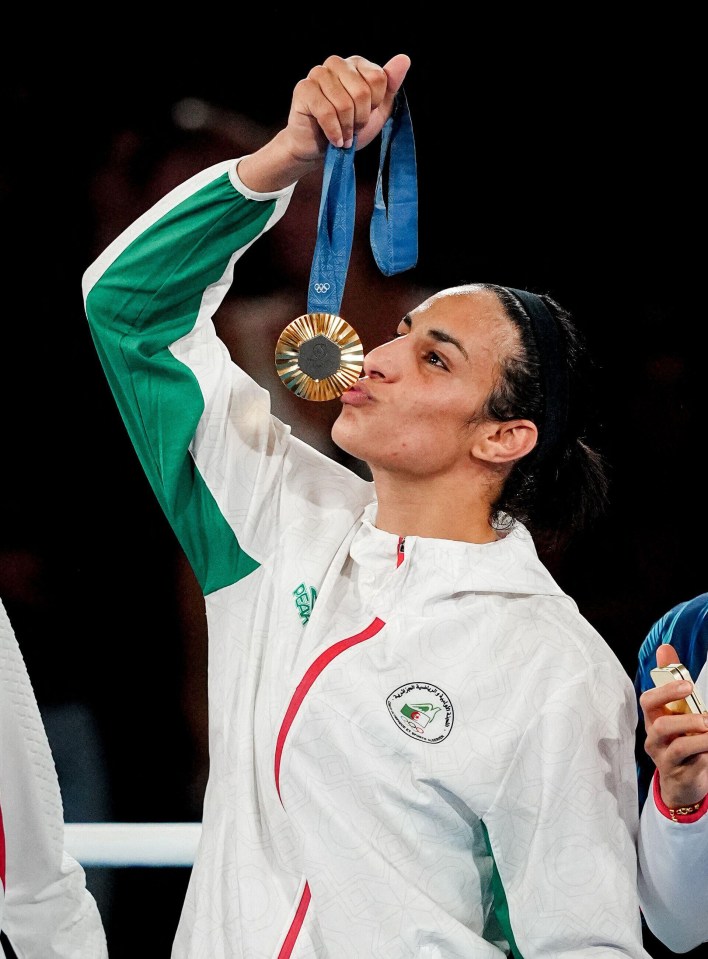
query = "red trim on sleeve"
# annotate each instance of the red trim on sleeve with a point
(2, 851)
(665, 811)
(400, 551)
(323, 660)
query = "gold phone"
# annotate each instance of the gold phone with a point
(669, 674)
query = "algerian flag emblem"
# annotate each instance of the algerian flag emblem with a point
(420, 714)
(422, 711)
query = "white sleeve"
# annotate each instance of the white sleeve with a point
(673, 871)
(48, 912)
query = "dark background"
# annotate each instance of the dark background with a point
(561, 157)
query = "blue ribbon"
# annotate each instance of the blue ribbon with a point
(393, 232)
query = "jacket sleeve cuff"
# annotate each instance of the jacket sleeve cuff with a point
(253, 194)
(682, 813)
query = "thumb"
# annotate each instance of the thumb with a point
(666, 655)
(396, 70)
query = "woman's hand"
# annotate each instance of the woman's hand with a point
(337, 100)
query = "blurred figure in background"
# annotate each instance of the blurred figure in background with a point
(46, 911)
(672, 761)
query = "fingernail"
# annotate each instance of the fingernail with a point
(684, 687)
(348, 143)
(705, 719)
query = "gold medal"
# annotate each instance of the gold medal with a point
(319, 356)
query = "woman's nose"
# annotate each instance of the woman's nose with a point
(382, 362)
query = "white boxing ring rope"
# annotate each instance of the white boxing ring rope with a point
(132, 843)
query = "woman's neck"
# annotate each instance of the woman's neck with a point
(433, 507)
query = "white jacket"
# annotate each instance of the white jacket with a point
(47, 912)
(417, 749)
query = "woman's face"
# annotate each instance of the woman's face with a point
(413, 409)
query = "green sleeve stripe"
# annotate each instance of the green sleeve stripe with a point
(501, 906)
(147, 299)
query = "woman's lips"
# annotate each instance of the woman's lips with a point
(355, 396)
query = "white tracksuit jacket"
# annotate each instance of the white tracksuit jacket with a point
(673, 867)
(47, 911)
(417, 749)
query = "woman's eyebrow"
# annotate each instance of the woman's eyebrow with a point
(440, 335)
(444, 337)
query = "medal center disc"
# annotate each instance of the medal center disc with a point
(319, 357)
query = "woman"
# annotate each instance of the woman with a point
(418, 746)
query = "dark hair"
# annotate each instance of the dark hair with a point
(561, 488)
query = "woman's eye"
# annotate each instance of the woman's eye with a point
(435, 360)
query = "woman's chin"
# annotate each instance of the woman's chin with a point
(347, 439)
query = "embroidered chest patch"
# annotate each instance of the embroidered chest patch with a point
(305, 597)
(422, 711)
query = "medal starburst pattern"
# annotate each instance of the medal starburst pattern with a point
(319, 356)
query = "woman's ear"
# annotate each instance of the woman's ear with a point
(505, 442)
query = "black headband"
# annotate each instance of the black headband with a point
(554, 369)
